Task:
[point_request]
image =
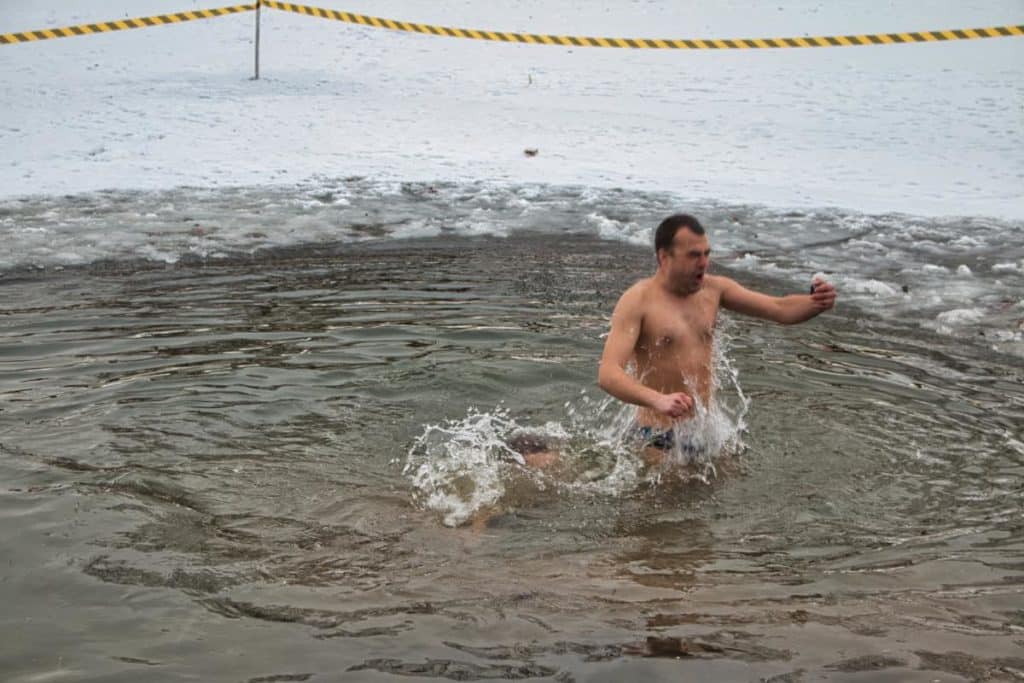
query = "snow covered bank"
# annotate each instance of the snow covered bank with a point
(926, 129)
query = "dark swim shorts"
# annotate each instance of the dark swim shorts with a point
(666, 440)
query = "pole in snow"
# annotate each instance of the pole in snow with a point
(259, 4)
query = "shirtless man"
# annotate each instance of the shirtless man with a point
(666, 324)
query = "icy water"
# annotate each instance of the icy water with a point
(260, 435)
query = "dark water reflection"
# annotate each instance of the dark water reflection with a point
(202, 477)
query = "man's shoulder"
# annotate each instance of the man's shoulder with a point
(718, 283)
(638, 291)
(634, 300)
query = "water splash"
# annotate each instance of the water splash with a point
(714, 432)
(464, 466)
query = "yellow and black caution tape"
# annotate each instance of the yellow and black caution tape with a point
(530, 38)
(691, 44)
(121, 24)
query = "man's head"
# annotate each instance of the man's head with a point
(666, 232)
(683, 252)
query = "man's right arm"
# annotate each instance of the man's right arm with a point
(619, 347)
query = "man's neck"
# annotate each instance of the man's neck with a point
(662, 280)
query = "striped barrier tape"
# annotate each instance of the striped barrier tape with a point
(695, 44)
(530, 38)
(121, 24)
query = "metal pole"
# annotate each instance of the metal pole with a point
(259, 4)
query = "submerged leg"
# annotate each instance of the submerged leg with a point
(652, 455)
(541, 459)
(534, 449)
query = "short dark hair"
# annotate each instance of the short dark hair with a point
(666, 232)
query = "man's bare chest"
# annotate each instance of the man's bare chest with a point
(668, 324)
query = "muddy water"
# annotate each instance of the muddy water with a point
(204, 472)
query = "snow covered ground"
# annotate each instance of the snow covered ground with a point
(931, 129)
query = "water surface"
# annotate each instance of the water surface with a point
(205, 474)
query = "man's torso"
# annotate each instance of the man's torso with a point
(674, 349)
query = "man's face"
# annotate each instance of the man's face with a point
(687, 261)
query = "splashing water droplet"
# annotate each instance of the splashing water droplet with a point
(461, 467)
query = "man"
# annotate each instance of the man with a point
(666, 325)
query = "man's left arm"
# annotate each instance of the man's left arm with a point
(786, 310)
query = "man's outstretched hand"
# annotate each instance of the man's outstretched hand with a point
(823, 294)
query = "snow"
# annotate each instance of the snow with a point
(930, 129)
